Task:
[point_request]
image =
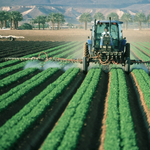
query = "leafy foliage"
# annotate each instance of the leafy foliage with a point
(15, 127)
(99, 16)
(67, 132)
(25, 26)
(119, 124)
(85, 17)
(114, 16)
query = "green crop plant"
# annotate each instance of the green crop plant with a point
(119, 124)
(144, 82)
(22, 89)
(16, 76)
(67, 132)
(14, 128)
(35, 54)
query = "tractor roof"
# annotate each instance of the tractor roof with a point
(107, 21)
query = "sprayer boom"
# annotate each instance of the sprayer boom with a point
(139, 62)
(94, 60)
(46, 59)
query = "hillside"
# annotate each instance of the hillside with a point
(77, 3)
(73, 9)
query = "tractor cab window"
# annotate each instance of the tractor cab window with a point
(114, 33)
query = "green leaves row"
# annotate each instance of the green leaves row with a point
(16, 76)
(143, 80)
(15, 127)
(11, 68)
(70, 48)
(140, 54)
(119, 124)
(14, 94)
(66, 133)
(33, 55)
(142, 47)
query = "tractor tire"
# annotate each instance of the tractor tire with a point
(127, 65)
(127, 52)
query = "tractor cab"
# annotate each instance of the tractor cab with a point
(110, 40)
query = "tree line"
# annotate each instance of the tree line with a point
(14, 16)
(126, 17)
(52, 17)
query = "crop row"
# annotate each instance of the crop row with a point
(139, 53)
(33, 55)
(12, 68)
(142, 48)
(20, 65)
(119, 124)
(16, 76)
(144, 45)
(144, 82)
(147, 43)
(70, 48)
(15, 127)
(66, 133)
(14, 94)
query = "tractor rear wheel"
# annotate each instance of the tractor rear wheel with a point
(85, 56)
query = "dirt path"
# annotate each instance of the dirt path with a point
(71, 35)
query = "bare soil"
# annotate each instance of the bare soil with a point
(71, 35)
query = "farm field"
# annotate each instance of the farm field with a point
(54, 105)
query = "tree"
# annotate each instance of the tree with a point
(32, 22)
(43, 20)
(6, 17)
(18, 18)
(113, 16)
(140, 17)
(126, 17)
(25, 26)
(85, 17)
(1, 18)
(38, 20)
(99, 16)
(70, 25)
(14, 17)
(52, 17)
(59, 19)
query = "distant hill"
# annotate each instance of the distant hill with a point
(76, 3)
(73, 9)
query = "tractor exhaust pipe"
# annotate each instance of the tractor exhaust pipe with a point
(109, 25)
